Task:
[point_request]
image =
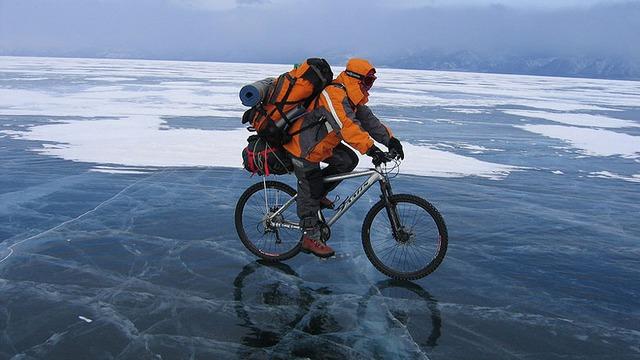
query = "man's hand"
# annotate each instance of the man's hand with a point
(376, 154)
(396, 146)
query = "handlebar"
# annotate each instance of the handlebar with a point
(388, 156)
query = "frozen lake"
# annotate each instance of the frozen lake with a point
(119, 179)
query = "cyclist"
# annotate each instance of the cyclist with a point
(339, 113)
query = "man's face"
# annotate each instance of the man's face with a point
(367, 81)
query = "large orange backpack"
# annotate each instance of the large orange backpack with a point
(287, 100)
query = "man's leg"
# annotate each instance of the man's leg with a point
(310, 189)
(343, 160)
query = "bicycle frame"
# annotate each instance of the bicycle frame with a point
(375, 175)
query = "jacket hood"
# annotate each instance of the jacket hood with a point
(348, 78)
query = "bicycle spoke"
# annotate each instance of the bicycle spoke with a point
(387, 251)
(405, 253)
(415, 217)
(415, 256)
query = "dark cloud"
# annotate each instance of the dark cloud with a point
(285, 31)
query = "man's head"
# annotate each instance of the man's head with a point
(363, 71)
(358, 78)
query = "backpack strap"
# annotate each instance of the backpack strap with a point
(276, 90)
(308, 126)
(280, 105)
(338, 85)
(320, 121)
(317, 71)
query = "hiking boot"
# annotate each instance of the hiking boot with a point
(316, 247)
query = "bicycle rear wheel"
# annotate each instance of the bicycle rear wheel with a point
(419, 246)
(262, 237)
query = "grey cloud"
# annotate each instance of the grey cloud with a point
(252, 2)
(286, 31)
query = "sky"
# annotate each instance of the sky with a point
(285, 31)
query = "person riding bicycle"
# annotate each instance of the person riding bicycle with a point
(338, 114)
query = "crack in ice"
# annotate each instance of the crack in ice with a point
(12, 246)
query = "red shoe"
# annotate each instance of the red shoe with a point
(316, 247)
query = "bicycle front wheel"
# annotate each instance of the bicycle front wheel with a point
(416, 249)
(259, 229)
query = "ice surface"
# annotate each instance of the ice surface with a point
(118, 184)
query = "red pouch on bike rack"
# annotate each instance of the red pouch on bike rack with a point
(260, 157)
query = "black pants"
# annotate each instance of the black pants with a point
(310, 186)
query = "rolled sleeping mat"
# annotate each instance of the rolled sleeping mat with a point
(253, 93)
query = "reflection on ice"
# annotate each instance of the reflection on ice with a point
(281, 310)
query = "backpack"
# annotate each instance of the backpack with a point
(286, 99)
(259, 157)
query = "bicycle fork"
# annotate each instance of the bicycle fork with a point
(392, 213)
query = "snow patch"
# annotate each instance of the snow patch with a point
(116, 171)
(426, 160)
(474, 149)
(446, 121)
(394, 87)
(466, 111)
(10, 132)
(25, 79)
(404, 120)
(121, 170)
(592, 142)
(138, 141)
(85, 319)
(111, 78)
(609, 175)
(575, 119)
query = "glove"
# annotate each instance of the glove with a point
(396, 147)
(376, 154)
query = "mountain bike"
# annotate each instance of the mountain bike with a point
(403, 235)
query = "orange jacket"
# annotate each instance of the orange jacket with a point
(335, 121)
(337, 104)
(338, 113)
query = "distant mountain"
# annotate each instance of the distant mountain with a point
(590, 67)
(569, 66)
